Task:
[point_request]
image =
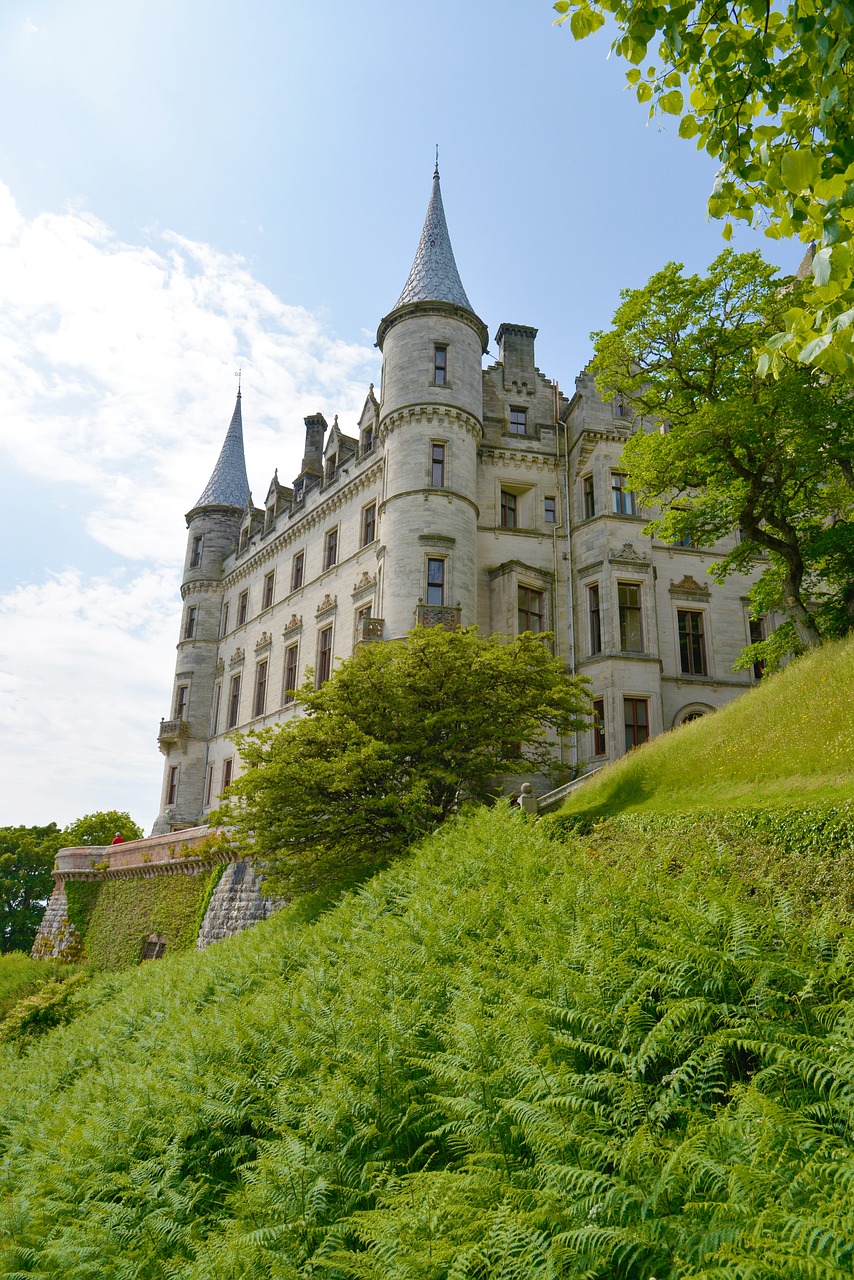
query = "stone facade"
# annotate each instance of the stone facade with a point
(463, 494)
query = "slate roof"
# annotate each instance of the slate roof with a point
(229, 484)
(434, 276)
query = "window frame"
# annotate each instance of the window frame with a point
(259, 700)
(435, 585)
(438, 463)
(639, 729)
(509, 509)
(517, 417)
(597, 727)
(289, 690)
(330, 548)
(269, 591)
(196, 552)
(182, 699)
(594, 617)
(369, 523)
(217, 699)
(588, 496)
(172, 785)
(298, 570)
(191, 622)
(232, 710)
(628, 613)
(223, 618)
(526, 611)
(324, 655)
(549, 510)
(242, 607)
(227, 774)
(693, 654)
(623, 500)
(440, 364)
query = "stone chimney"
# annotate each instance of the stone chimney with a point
(312, 459)
(516, 352)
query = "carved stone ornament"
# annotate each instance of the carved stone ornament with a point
(364, 582)
(294, 623)
(328, 602)
(220, 667)
(264, 640)
(689, 589)
(628, 554)
(236, 657)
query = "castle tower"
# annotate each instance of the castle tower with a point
(213, 527)
(430, 426)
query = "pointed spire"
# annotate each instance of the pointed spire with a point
(434, 276)
(229, 484)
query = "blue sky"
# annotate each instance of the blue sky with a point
(193, 186)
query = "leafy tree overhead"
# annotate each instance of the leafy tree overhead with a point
(773, 456)
(767, 90)
(26, 883)
(401, 734)
(100, 828)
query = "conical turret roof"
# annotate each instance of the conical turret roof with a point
(434, 276)
(229, 484)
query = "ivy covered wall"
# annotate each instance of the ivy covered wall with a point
(115, 917)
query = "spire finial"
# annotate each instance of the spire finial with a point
(239, 375)
(436, 170)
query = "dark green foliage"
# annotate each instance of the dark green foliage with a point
(100, 828)
(403, 734)
(506, 1057)
(118, 918)
(50, 1005)
(20, 976)
(26, 883)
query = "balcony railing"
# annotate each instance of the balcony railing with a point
(438, 615)
(369, 629)
(172, 733)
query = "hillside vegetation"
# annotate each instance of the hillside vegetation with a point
(788, 741)
(522, 1053)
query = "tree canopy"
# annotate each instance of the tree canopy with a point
(772, 457)
(401, 734)
(767, 90)
(26, 861)
(100, 828)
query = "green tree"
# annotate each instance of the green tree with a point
(26, 883)
(401, 734)
(767, 90)
(100, 828)
(773, 457)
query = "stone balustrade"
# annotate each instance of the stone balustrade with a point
(152, 855)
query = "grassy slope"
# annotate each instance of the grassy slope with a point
(612, 1057)
(789, 740)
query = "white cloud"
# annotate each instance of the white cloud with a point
(116, 365)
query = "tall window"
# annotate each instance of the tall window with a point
(172, 785)
(437, 466)
(233, 702)
(227, 771)
(598, 726)
(622, 407)
(215, 713)
(223, 619)
(196, 553)
(297, 570)
(550, 510)
(631, 624)
(756, 634)
(623, 498)
(260, 688)
(291, 655)
(518, 422)
(330, 548)
(242, 607)
(324, 655)
(181, 695)
(208, 785)
(636, 716)
(440, 366)
(331, 464)
(435, 581)
(368, 439)
(508, 510)
(190, 627)
(531, 610)
(369, 523)
(269, 586)
(595, 616)
(692, 643)
(588, 497)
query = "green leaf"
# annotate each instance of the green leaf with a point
(812, 349)
(584, 22)
(688, 127)
(799, 170)
(672, 102)
(821, 266)
(644, 92)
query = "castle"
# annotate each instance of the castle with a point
(462, 495)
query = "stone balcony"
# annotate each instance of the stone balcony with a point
(176, 851)
(438, 615)
(369, 629)
(173, 733)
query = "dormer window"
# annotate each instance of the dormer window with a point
(367, 439)
(440, 366)
(331, 464)
(244, 538)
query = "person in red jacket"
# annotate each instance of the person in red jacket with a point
(117, 839)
